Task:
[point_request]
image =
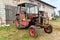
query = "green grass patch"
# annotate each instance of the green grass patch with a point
(27, 37)
(3, 38)
(4, 28)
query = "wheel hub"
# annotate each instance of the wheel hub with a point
(32, 32)
(48, 29)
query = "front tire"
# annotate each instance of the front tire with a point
(33, 31)
(49, 29)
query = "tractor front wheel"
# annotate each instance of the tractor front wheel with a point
(33, 31)
(49, 29)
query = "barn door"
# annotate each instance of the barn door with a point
(10, 13)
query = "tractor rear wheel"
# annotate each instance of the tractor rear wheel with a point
(49, 29)
(33, 31)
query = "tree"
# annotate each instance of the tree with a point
(59, 13)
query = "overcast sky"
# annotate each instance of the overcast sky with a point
(55, 3)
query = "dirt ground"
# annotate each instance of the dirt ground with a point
(55, 35)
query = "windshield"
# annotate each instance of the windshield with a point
(28, 8)
(31, 8)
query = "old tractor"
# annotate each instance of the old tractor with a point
(29, 16)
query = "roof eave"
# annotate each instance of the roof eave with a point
(46, 4)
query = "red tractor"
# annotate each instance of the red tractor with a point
(29, 16)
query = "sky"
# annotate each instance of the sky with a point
(55, 3)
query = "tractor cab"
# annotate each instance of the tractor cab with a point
(28, 9)
(25, 13)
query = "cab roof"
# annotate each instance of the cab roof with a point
(26, 3)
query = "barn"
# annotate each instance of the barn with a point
(8, 9)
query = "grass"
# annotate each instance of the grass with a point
(58, 20)
(3, 38)
(4, 28)
(12, 33)
(55, 24)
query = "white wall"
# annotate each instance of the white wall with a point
(23, 1)
(2, 13)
